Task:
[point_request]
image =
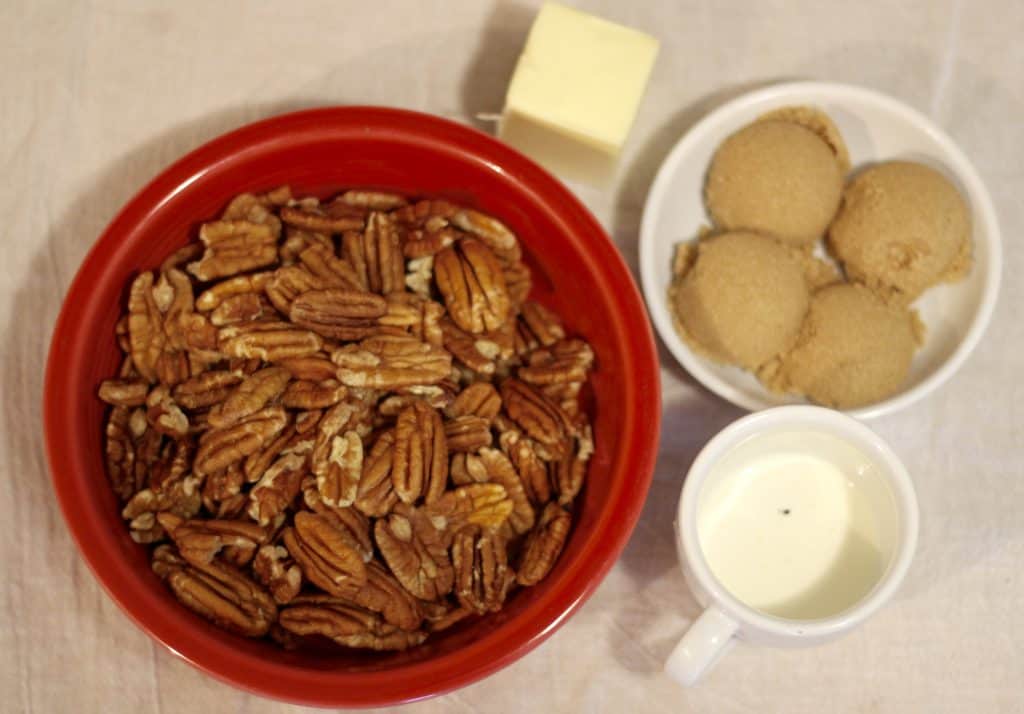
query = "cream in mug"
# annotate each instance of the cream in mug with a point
(796, 525)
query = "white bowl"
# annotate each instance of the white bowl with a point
(876, 128)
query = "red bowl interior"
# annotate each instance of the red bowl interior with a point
(577, 271)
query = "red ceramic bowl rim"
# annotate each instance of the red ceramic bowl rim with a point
(432, 676)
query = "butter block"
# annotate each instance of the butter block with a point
(575, 92)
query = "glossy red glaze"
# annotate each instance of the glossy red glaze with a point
(577, 271)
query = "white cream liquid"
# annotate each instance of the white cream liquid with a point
(793, 534)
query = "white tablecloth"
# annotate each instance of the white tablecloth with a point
(98, 96)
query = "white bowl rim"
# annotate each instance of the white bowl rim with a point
(809, 92)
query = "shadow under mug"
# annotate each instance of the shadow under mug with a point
(862, 458)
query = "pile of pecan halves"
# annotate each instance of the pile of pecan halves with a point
(345, 419)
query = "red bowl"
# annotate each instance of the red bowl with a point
(577, 271)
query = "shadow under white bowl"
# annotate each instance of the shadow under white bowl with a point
(876, 128)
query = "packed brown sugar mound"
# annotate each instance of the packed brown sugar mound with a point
(902, 228)
(775, 177)
(853, 348)
(742, 299)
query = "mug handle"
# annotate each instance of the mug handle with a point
(709, 637)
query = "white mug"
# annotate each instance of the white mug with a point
(765, 505)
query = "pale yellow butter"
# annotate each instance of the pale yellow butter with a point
(575, 92)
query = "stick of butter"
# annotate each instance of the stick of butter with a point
(575, 92)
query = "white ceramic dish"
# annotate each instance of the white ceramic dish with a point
(876, 128)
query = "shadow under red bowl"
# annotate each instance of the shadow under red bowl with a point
(577, 271)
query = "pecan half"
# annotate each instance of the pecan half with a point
(223, 486)
(149, 446)
(349, 415)
(173, 367)
(145, 327)
(346, 624)
(376, 255)
(390, 362)
(319, 259)
(268, 341)
(543, 545)
(200, 337)
(467, 433)
(241, 308)
(538, 327)
(234, 246)
(372, 200)
(123, 392)
(448, 618)
(538, 416)
(254, 393)
(315, 368)
(531, 469)
(479, 399)
(218, 448)
(288, 282)
(570, 471)
(564, 361)
(347, 518)
(226, 597)
(428, 213)
(239, 286)
(276, 569)
(420, 317)
(339, 314)
(376, 494)
(415, 551)
(164, 415)
(206, 389)
(305, 394)
(231, 508)
(257, 208)
(338, 464)
(437, 396)
(490, 231)
(500, 470)
(171, 464)
(121, 333)
(566, 395)
(306, 421)
(471, 350)
(469, 277)
(313, 217)
(181, 498)
(277, 488)
(325, 553)
(426, 243)
(465, 470)
(182, 255)
(298, 240)
(519, 283)
(120, 454)
(482, 504)
(166, 560)
(174, 298)
(482, 574)
(384, 594)
(419, 275)
(420, 463)
(200, 540)
(259, 461)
